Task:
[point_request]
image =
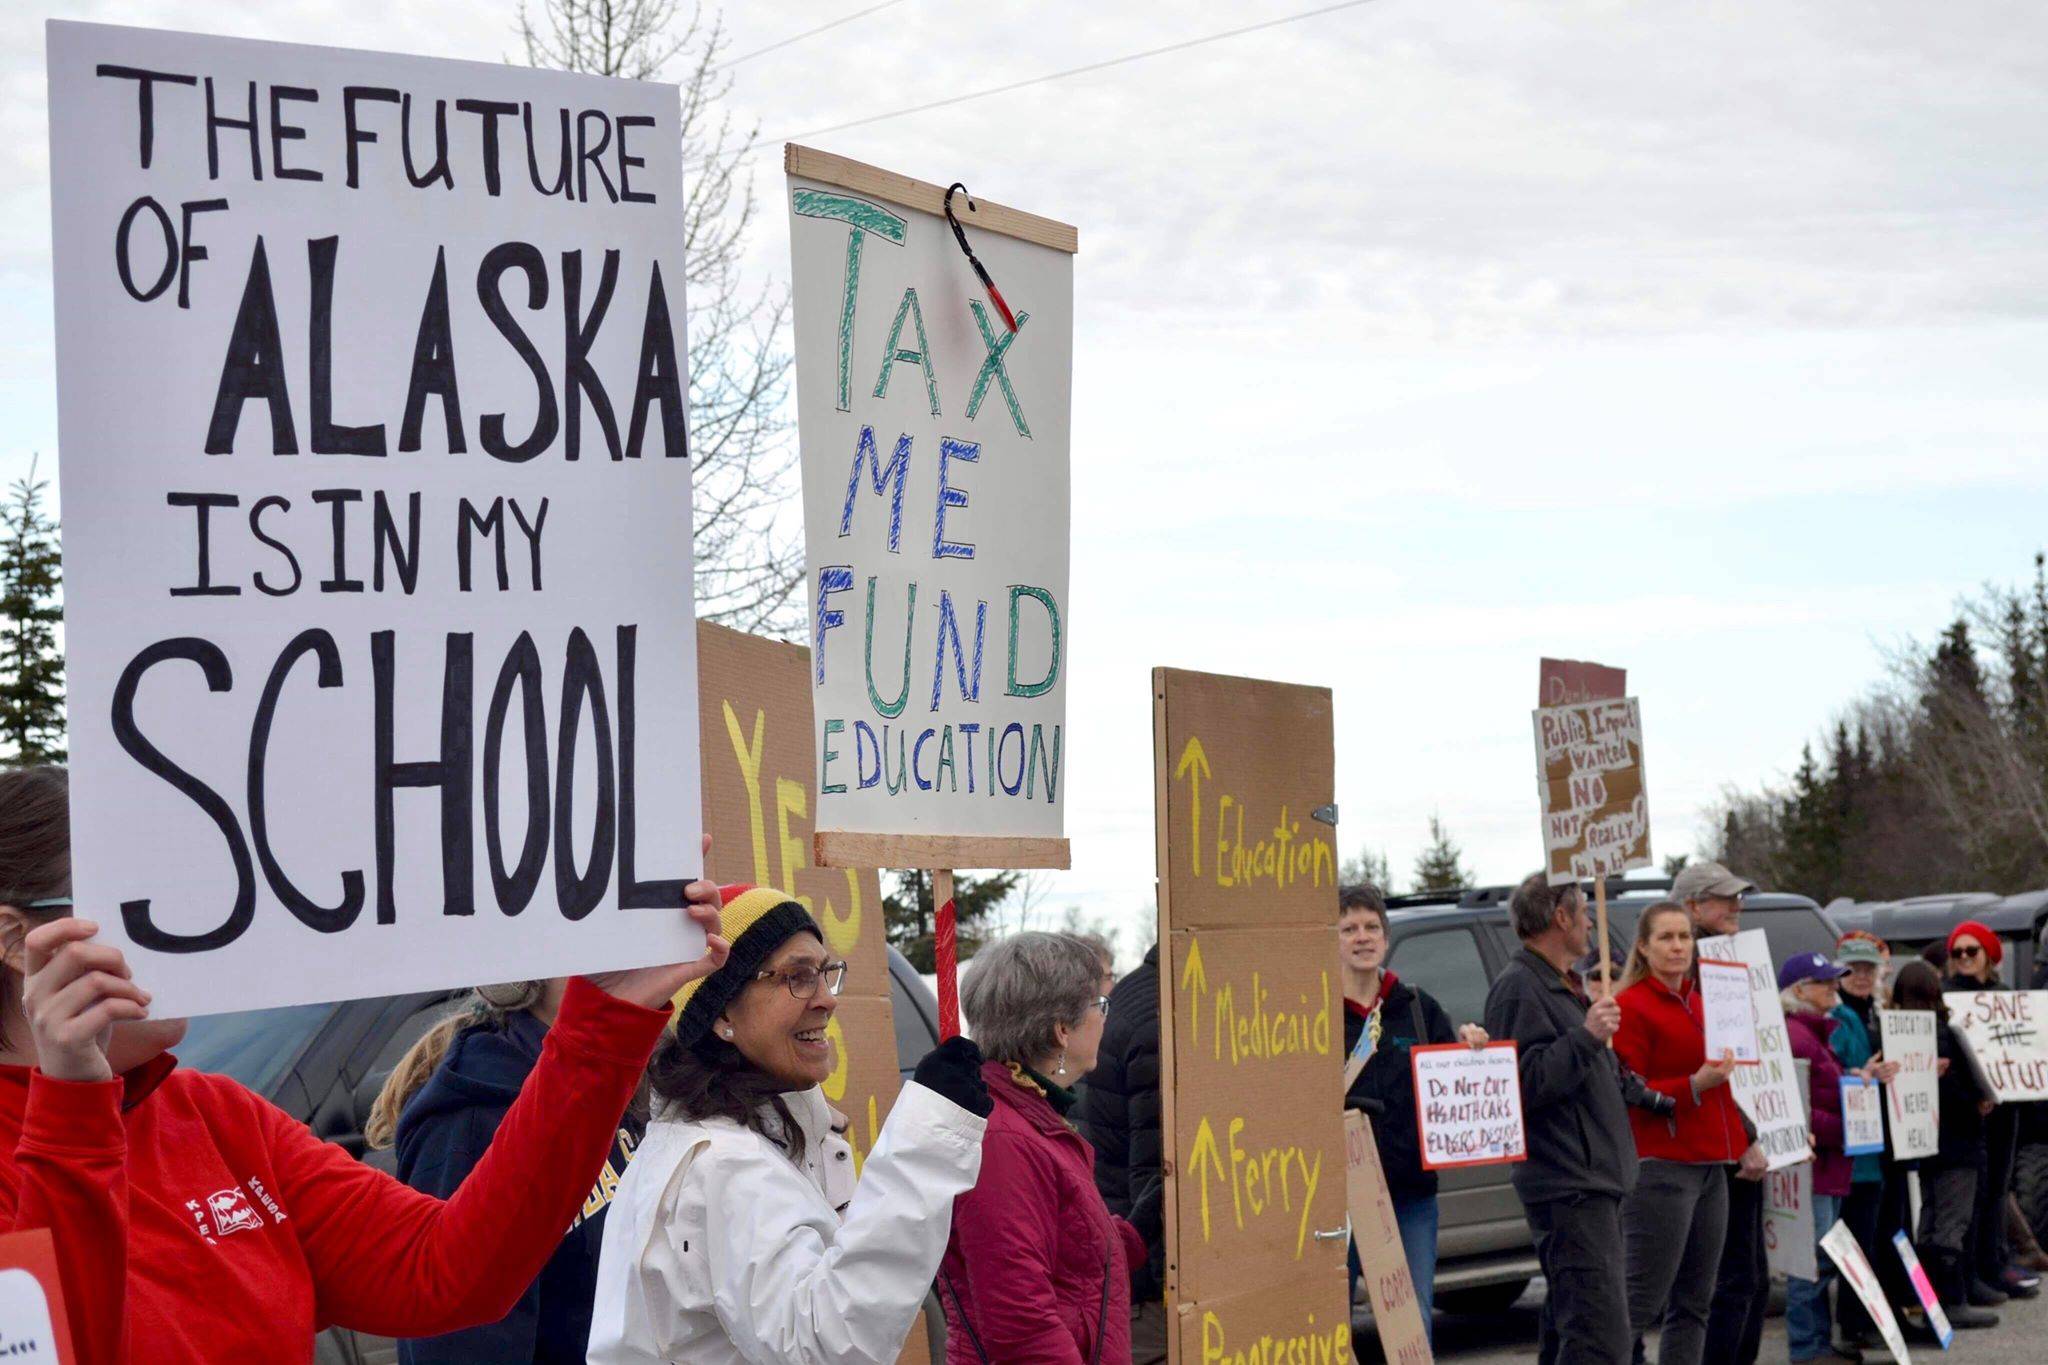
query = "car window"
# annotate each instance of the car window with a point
(255, 1047)
(914, 1034)
(1447, 964)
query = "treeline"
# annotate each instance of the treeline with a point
(1936, 780)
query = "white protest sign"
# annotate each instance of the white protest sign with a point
(936, 508)
(1789, 1236)
(1862, 1116)
(1770, 1092)
(1730, 1014)
(1590, 785)
(2007, 1032)
(377, 534)
(1914, 1095)
(1468, 1105)
(1923, 1289)
(1840, 1244)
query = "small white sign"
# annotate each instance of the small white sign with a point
(1771, 1093)
(1468, 1105)
(1841, 1247)
(1914, 1095)
(26, 1332)
(1923, 1289)
(1862, 1117)
(1730, 1013)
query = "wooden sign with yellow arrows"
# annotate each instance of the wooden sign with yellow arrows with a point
(1252, 1043)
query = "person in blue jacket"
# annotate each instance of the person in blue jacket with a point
(442, 1106)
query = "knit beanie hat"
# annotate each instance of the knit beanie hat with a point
(755, 920)
(1993, 949)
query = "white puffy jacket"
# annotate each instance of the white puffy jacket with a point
(718, 1248)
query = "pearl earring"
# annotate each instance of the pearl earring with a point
(1061, 1069)
(728, 1035)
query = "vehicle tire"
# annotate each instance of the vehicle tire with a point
(1482, 1298)
(2030, 1184)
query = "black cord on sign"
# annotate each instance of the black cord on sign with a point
(995, 295)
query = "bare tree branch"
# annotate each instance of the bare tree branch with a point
(743, 460)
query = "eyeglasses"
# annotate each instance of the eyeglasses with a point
(803, 982)
(1102, 1003)
(1970, 950)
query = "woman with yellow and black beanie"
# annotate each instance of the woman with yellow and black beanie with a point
(738, 1233)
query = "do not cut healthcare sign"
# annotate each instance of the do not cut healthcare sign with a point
(372, 389)
(1468, 1105)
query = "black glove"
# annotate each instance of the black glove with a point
(1372, 1109)
(953, 1069)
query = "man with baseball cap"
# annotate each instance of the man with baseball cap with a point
(1712, 895)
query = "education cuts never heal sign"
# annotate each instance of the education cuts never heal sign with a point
(376, 490)
(934, 449)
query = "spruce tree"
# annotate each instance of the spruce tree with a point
(1440, 866)
(31, 666)
(908, 911)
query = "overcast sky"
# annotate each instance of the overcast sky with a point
(1423, 338)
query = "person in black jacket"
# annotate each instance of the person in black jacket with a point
(1119, 1115)
(1948, 1179)
(443, 1104)
(1581, 1153)
(1384, 1018)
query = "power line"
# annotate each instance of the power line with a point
(807, 33)
(1125, 60)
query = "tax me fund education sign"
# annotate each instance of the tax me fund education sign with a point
(376, 489)
(934, 451)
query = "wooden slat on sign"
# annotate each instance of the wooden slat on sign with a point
(1251, 1035)
(844, 848)
(910, 192)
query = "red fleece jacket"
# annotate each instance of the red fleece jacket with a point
(1663, 1039)
(196, 1221)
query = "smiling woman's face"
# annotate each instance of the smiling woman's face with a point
(781, 1035)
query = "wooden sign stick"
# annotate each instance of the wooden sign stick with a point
(940, 854)
(1600, 914)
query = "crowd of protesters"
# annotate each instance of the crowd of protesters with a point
(672, 1120)
(1644, 1180)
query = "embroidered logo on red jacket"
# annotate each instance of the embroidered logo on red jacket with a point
(232, 1212)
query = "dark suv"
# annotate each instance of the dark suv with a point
(1453, 944)
(324, 1064)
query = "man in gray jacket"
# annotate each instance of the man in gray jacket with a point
(1575, 1097)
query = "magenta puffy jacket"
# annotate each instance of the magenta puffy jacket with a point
(1809, 1034)
(1034, 1247)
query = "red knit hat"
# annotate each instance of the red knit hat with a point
(1993, 949)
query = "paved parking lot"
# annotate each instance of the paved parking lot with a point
(1511, 1336)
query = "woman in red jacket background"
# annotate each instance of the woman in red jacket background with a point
(194, 1220)
(1674, 1222)
(1038, 1267)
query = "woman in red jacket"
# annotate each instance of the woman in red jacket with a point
(195, 1221)
(1674, 1222)
(1037, 1270)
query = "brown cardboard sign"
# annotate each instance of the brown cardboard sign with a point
(1252, 1037)
(1382, 1262)
(1241, 770)
(1567, 682)
(1589, 776)
(754, 700)
(1287, 1322)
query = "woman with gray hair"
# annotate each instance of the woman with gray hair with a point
(1038, 1267)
